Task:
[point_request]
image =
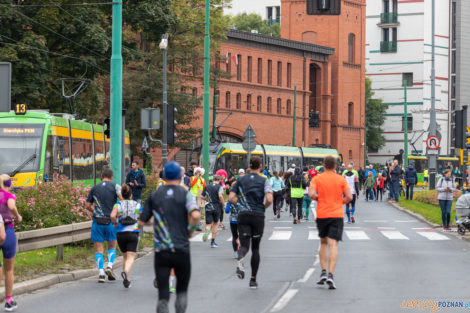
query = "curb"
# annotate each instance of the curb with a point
(54, 279)
(433, 225)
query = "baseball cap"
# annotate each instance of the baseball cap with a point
(241, 171)
(172, 171)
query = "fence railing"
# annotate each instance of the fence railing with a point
(53, 236)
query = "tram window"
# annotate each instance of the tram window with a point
(82, 159)
(62, 159)
(99, 157)
(274, 163)
(49, 169)
(108, 153)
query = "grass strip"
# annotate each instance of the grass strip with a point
(430, 212)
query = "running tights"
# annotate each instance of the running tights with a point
(234, 229)
(181, 263)
(255, 257)
(250, 228)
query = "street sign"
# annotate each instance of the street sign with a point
(5, 87)
(249, 145)
(145, 144)
(249, 133)
(149, 119)
(433, 143)
(432, 152)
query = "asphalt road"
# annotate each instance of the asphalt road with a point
(386, 258)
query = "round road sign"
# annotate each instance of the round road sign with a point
(433, 142)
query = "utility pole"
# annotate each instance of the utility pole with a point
(295, 117)
(206, 111)
(214, 110)
(432, 121)
(405, 126)
(164, 48)
(116, 92)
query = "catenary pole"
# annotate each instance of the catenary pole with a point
(405, 126)
(116, 92)
(432, 121)
(206, 110)
(165, 109)
(295, 117)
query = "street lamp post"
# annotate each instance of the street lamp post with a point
(164, 47)
(432, 120)
(206, 110)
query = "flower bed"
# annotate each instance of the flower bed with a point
(430, 197)
(52, 204)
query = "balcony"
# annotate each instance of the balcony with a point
(388, 18)
(388, 46)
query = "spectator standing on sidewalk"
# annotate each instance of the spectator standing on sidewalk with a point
(136, 180)
(445, 194)
(411, 179)
(369, 186)
(395, 176)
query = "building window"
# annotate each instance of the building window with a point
(279, 106)
(239, 101)
(195, 92)
(227, 99)
(351, 47)
(452, 105)
(351, 114)
(410, 123)
(395, 6)
(288, 108)
(350, 154)
(278, 14)
(238, 61)
(279, 73)
(409, 79)
(372, 150)
(260, 71)
(248, 102)
(386, 34)
(289, 75)
(217, 98)
(454, 25)
(258, 104)
(394, 34)
(270, 105)
(386, 8)
(228, 63)
(270, 72)
(249, 69)
(269, 13)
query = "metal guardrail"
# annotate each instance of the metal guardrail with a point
(53, 236)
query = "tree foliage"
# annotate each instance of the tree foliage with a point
(253, 21)
(375, 110)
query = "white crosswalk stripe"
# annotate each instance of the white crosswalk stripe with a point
(313, 235)
(394, 235)
(431, 235)
(198, 237)
(356, 235)
(280, 235)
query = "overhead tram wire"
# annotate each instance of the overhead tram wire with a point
(65, 4)
(56, 33)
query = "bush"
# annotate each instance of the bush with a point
(52, 204)
(430, 197)
(151, 181)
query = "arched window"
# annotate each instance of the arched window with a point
(270, 105)
(227, 99)
(248, 102)
(288, 110)
(351, 114)
(351, 47)
(239, 101)
(258, 104)
(279, 106)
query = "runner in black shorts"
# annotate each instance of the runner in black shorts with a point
(331, 191)
(214, 196)
(176, 216)
(249, 191)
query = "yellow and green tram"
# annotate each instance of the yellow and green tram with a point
(46, 146)
(231, 157)
(421, 162)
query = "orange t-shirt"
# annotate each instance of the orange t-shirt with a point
(330, 189)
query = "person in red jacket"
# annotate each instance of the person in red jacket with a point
(379, 187)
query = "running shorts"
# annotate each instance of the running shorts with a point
(331, 228)
(250, 225)
(212, 216)
(128, 241)
(9, 245)
(102, 233)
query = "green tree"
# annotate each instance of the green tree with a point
(375, 117)
(249, 22)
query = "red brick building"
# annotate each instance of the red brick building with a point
(322, 56)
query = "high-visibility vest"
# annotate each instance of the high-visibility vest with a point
(197, 184)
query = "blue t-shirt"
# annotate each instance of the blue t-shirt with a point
(104, 196)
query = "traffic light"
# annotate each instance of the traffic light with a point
(171, 123)
(323, 7)
(107, 131)
(314, 119)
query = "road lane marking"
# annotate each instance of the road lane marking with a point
(421, 228)
(197, 238)
(313, 235)
(280, 235)
(356, 235)
(282, 227)
(230, 239)
(352, 227)
(282, 302)
(433, 235)
(374, 221)
(407, 221)
(394, 235)
(307, 275)
(386, 228)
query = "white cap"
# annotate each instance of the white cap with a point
(241, 171)
(293, 166)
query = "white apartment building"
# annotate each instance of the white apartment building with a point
(398, 47)
(269, 9)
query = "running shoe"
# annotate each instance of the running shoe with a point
(101, 278)
(235, 255)
(330, 281)
(278, 215)
(240, 270)
(323, 278)
(214, 245)
(206, 235)
(353, 219)
(110, 273)
(126, 282)
(172, 289)
(306, 219)
(12, 306)
(253, 284)
(295, 221)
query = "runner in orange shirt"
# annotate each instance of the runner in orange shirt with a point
(331, 191)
